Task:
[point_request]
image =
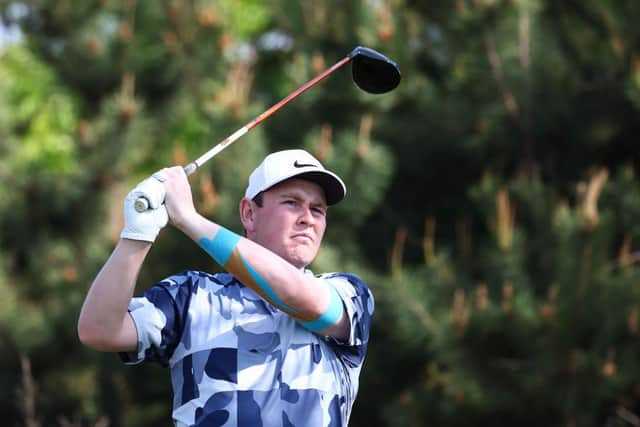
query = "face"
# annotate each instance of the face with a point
(291, 221)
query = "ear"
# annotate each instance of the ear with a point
(247, 214)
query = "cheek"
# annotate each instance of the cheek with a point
(322, 226)
(273, 229)
(319, 231)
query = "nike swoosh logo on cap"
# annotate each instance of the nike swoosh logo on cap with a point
(303, 165)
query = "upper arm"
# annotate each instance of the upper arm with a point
(339, 330)
(124, 338)
(353, 327)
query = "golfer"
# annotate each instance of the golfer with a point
(266, 343)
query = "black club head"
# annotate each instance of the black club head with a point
(372, 71)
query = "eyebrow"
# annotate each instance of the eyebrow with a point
(292, 194)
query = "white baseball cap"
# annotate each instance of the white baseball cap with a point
(282, 165)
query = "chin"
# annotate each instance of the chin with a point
(300, 261)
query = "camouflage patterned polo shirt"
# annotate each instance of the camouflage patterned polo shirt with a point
(236, 360)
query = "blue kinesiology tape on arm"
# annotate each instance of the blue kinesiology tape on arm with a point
(221, 246)
(330, 316)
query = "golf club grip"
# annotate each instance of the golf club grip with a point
(142, 204)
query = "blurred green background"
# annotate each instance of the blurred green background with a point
(493, 200)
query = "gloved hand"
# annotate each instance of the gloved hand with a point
(145, 225)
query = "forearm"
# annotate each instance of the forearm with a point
(104, 322)
(273, 278)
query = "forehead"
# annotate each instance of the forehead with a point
(300, 188)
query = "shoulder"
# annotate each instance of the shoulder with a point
(193, 276)
(198, 278)
(337, 274)
(351, 287)
(190, 281)
(346, 281)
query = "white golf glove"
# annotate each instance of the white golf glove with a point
(145, 225)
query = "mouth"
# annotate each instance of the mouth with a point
(303, 237)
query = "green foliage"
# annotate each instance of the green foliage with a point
(38, 117)
(246, 18)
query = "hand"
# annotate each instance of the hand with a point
(179, 200)
(146, 225)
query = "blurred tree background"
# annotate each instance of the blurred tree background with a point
(493, 204)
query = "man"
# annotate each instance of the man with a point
(265, 344)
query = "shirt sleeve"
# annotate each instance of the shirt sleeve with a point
(159, 316)
(359, 304)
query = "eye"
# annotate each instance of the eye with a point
(319, 211)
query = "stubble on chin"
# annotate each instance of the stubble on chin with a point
(300, 256)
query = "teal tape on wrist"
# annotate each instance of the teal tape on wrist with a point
(221, 246)
(331, 315)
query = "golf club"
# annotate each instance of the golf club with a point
(371, 72)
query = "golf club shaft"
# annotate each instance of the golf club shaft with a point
(189, 169)
(142, 204)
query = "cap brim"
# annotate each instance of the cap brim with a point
(334, 188)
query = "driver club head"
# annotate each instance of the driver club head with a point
(372, 71)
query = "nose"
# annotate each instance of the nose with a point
(306, 216)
